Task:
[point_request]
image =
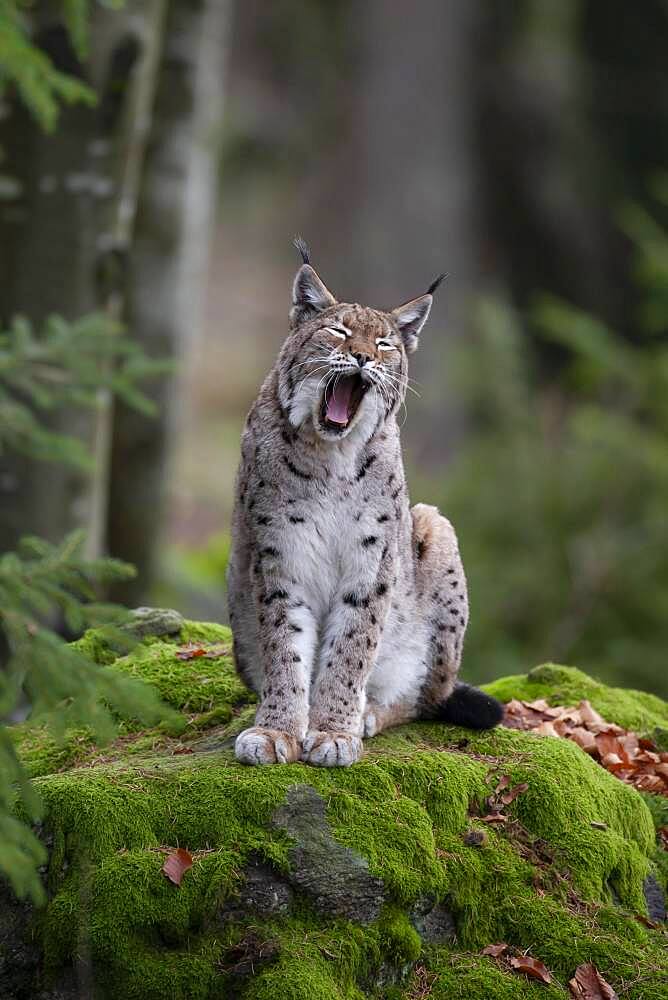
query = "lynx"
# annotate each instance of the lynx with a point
(348, 607)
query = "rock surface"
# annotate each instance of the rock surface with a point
(385, 880)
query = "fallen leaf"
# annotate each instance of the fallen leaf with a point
(634, 760)
(650, 783)
(531, 967)
(194, 650)
(539, 705)
(589, 714)
(512, 794)
(613, 762)
(546, 729)
(495, 949)
(504, 781)
(177, 864)
(190, 651)
(599, 826)
(583, 738)
(588, 984)
(641, 918)
(662, 835)
(494, 818)
(607, 742)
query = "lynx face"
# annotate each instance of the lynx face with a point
(344, 366)
(351, 371)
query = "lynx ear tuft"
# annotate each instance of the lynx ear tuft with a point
(435, 283)
(300, 244)
(410, 318)
(310, 295)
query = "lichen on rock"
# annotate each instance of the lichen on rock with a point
(346, 884)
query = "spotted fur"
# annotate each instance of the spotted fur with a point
(348, 607)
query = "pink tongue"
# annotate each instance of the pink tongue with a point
(338, 402)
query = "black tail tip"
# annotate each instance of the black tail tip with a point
(470, 707)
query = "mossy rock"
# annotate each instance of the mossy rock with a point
(334, 884)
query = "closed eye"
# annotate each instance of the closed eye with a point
(384, 345)
(338, 331)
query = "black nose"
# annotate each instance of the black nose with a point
(361, 359)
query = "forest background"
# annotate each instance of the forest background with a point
(158, 158)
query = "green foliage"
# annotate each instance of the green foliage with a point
(65, 365)
(40, 85)
(68, 364)
(65, 688)
(560, 494)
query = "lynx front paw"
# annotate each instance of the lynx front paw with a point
(266, 746)
(326, 749)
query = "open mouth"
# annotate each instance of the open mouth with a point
(341, 401)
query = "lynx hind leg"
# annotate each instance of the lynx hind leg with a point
(441, 584)
(441, 592)
(244, 635)
(379, 717)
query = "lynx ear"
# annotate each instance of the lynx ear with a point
(310, 295)
(412, 316)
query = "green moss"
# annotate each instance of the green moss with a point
(544, 881)
(41, 754)
(207, 690)
(405, 810)
(635, 710)
(197, 685)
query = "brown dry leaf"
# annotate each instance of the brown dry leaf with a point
(216, 650)
(504, 781)
(583, 738)
(190, 651)
(589, 984)
(589, 715)
(630, 758)
(495, 949)
(613, 762)
(512, 793)
(532, 967)
(650, 783)
(494, 818)
(562, 728)
(570, 715)
(177, 864)
(546, 729)
(539, 705)
(607, 742)
(194, 650)
(662, 835)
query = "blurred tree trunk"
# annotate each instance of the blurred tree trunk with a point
(546, 175)
(65, 231)
(409, 208)
(168, 270)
